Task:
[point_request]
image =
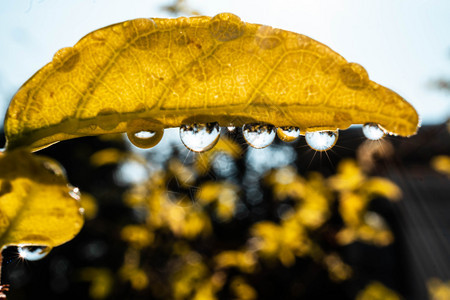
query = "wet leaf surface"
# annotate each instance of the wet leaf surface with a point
(150, 74)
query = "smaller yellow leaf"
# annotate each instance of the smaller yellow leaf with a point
(37, 206)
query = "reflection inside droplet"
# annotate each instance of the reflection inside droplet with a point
(321, 140)
(259, 135)
(231, 128)
(33, 253)
(373, 131)
(200, 137)
(288, 134)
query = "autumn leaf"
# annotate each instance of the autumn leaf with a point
(37, 206)
(145, 75)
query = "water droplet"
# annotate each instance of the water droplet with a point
(200, 137)
(373, 131)
(321, 140)
(226, 27)
(144, 133)
(259, 135)
(33, 253)
(108, 119)
(53, 167)
(145, 138)
(66, 59)
(74, 192)
(288, 134)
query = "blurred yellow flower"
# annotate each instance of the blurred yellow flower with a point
(136, 276)
(242, 289)
(284, 241)
(101, 279)
(244, 260)
(138, 236)
(438, 289)
(441, 164)
(89, 205)
(107, 156)
(337, 269)
(377, 291)
(223, 194)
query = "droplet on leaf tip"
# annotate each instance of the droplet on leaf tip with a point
(200, 137)
(259, 135)
(33, 252)
(321, 140)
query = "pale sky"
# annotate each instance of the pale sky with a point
(403, 44)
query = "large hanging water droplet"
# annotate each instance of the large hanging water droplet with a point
(321, 140)
(200, 137)
(259, 135)
(33, 253)
(288, 134)
(373, 131)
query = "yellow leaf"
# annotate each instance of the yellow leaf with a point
(37, 206)
(150, 74)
